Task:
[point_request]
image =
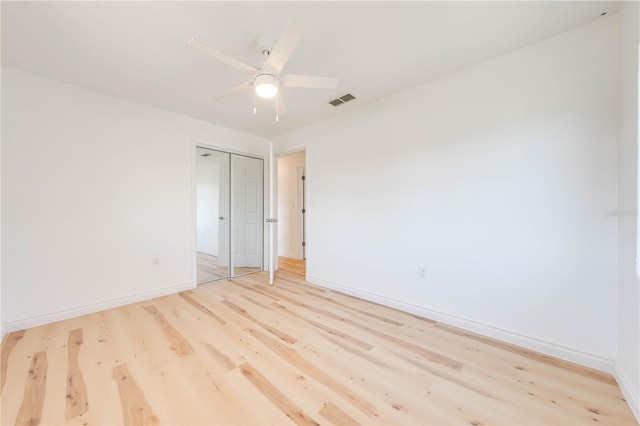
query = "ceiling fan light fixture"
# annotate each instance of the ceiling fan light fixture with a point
(266, 85)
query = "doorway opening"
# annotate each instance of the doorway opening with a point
(292, 213)
(229, 214)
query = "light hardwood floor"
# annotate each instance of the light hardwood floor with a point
(294, 266)
(241, 352)
(209, 268)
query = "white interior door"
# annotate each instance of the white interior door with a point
(247, 213)
(273, 231)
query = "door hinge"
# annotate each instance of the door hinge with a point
(303, 177)
(304, 211)
(304, 244)
(270, 220)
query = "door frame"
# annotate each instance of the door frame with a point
(216, 146)
(307, 198)
(300, 215)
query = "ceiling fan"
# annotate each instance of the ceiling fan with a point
(267, 78)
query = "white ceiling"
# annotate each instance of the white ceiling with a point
(139, 50)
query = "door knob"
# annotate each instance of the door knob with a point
(221, 218)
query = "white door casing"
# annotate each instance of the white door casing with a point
(300, 225)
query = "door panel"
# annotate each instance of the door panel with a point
(247, 213)
(272, 227)
(212, 215)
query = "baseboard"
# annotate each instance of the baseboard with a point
(630, 394)
(548, 348)
(92, 308)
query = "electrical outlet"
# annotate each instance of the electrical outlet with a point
(422, 272)
(154, 261)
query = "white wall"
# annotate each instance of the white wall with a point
(628, 361)
(496, 179)
(289, 231)
(207, 196)
(93, 187)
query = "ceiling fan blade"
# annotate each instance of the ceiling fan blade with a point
(309, 81)
(285, 45)
(234, 90)
(222, 57)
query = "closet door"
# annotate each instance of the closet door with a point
(213, 239)
(247, 201)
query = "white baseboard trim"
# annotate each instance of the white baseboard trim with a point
(548, 348)
(92, 308)
(630, 394)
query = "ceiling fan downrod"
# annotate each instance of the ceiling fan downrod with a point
(264, 45)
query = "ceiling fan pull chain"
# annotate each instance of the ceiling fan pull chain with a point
(254, 102)
(277, 102)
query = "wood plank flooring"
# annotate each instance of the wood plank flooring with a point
(294, 266)
(242, 352)
(209, 268)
